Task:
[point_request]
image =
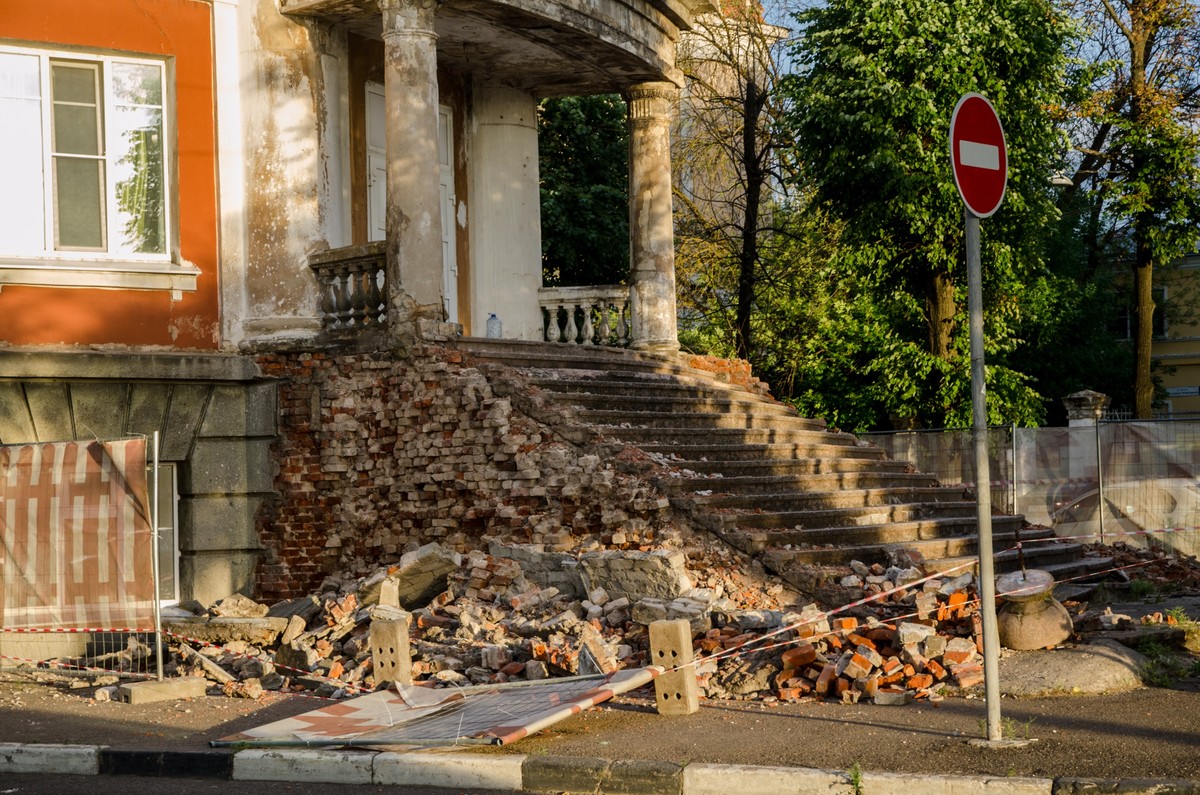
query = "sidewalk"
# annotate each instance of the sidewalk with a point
(1144, 740)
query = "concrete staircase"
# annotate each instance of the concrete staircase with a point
(772, 483)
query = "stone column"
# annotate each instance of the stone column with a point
(651, 226)
(414, 224)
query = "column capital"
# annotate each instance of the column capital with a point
(408, 16)
(651, 101)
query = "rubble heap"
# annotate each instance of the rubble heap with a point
(527, 614)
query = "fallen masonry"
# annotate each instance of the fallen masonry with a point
(484, 618)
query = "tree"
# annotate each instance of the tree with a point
(583, 156)
(871, 102)
(726, 163)
(1138, 142)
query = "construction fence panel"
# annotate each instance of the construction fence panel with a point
(77, 582)
(1131, 482)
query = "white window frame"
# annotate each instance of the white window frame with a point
(53, 267)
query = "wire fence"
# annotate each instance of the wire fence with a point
(78, 558)
(1113, 481)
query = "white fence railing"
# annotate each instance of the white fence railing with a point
(586, 315)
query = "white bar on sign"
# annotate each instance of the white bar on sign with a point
(979, 155)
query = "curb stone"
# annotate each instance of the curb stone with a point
(540, 774)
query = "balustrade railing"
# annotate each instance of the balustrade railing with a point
(586, 315)
(353, 286)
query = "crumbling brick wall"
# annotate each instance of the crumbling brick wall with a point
(379, 452)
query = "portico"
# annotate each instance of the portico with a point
(483, 65)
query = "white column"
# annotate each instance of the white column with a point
(651, 226)
(414, 226)
(505, 212)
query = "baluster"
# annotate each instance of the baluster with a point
(588, 306)
(605, 329)
(559, 334)
(572, 330)
(622, 324)
(358, 295)
(344, 307)
(328, 300)
(375, 307)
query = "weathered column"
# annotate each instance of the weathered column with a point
(651, 227)
(414, 224)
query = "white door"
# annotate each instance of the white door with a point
(376, 164)
(446, 186)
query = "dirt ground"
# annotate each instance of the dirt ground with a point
(1147, 733)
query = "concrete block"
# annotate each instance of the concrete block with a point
(391, 657)
(20, 646)
(66, 760)
(50, 408)
(563, 773)
(99, 408)
(186, 408)
(218, 522)
(907, 783)
(676, 692)
(16, 426)
(229, 466)
(752, 780)
(167, 690)
(241, 410)
(209, 576)
(303, 764)
(148, 405)
(642, 777)
(467, 771)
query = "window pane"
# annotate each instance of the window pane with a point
(74, 82)
(79, 196)
(136, 84)
(22, 202)
(19, 76)
(75, 130)
(137, 169)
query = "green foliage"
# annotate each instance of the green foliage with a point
(871, 101)
(583, 160)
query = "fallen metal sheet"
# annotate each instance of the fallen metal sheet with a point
(420, 716)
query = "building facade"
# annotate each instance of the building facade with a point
(194, 185)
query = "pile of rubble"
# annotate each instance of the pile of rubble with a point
(522, 613)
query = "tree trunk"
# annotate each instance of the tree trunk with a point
(1143, 280)
(940, 310)
(752, 105)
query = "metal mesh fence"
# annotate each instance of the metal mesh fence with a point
(1134, 482)
(77, 568)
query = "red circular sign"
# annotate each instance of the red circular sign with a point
(978, 155)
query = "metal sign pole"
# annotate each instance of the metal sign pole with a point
(983, 492)
(158, 651)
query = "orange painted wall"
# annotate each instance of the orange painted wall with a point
(178, 28)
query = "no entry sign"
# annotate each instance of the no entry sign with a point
(978, 155)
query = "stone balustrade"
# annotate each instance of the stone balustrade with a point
(586, 315)
(353, 286)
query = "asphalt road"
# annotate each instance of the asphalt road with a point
(48, 784)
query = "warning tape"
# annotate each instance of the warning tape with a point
(71, 630)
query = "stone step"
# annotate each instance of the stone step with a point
(1063, 561)
(719, 455)
(684, 405)
(818, 444)
(800, 482)
(936, 497)
(757, 463)
(940, 554)
(756, 540)
(558, 356)
(860, 516)
(658, 386)
(766, 423)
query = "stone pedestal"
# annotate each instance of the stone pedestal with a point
(1031, 617)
